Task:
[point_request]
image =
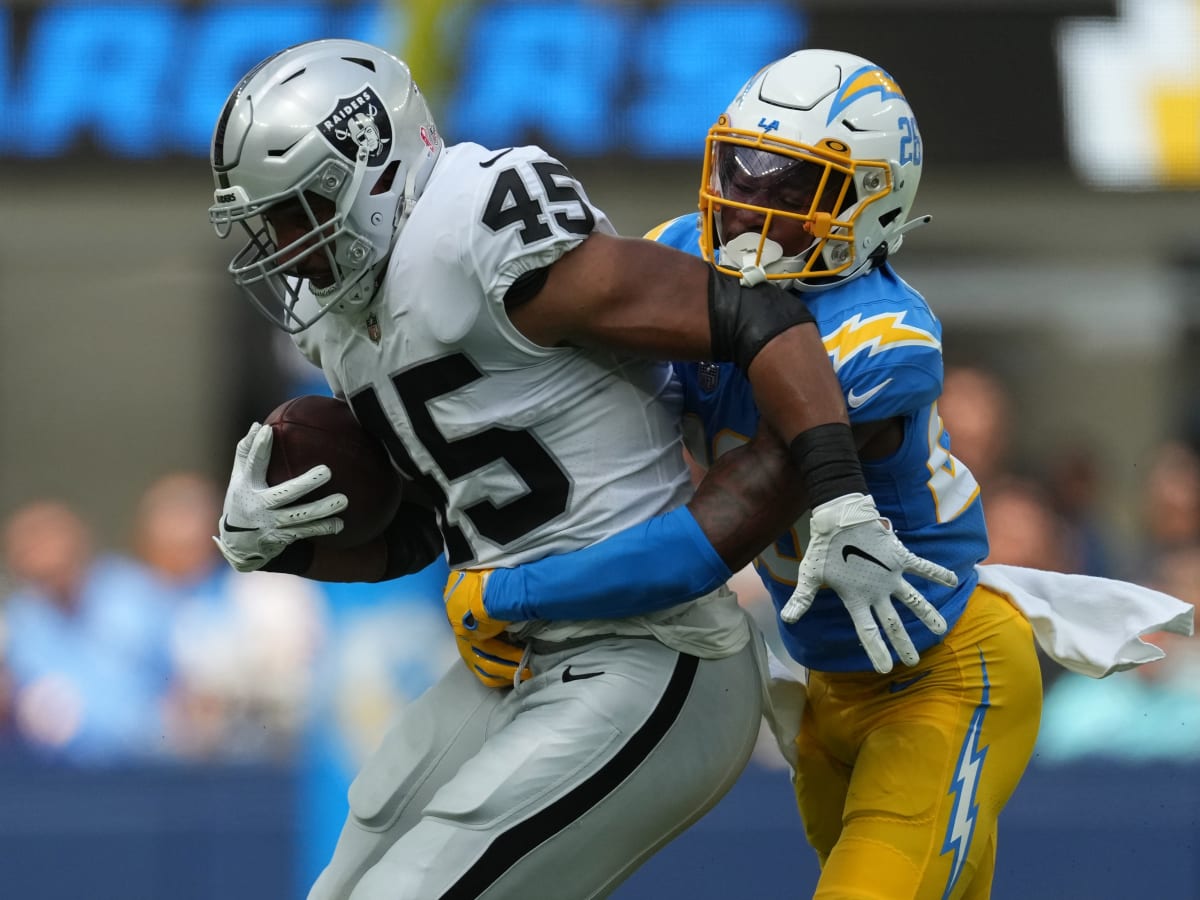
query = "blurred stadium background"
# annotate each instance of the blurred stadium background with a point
(206, 756)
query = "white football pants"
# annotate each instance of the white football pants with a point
(559, 788)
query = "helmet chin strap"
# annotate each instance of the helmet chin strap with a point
(356, 178)
(363, 290)
(368, 285)
(742, 253)
(407, 201)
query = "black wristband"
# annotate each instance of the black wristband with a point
(828, 462)
(294, 560)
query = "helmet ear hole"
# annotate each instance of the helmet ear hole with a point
(889, 217)
(384, 184)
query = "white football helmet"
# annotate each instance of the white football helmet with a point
(334, 119)
(824, 138)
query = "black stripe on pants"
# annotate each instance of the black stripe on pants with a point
(523, 837)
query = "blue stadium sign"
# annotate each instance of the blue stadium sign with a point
(146, 79)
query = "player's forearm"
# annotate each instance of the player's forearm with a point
(318, 562)
(653, 565)
(773, 338)
(798, 393)
(748, 498)
(745, 500)
(409, 544)
(795, 387)
(650, 300)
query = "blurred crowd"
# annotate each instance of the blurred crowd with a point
(162, 653)
(1046, 514)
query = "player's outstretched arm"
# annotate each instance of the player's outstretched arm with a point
(747, 498)
(651, 300)
(655, 564)
(744, 502)
(648, 299)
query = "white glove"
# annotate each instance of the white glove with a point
(853, 550)
(258, 523)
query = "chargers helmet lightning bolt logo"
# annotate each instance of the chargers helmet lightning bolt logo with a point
(964, 787)
(867, 80)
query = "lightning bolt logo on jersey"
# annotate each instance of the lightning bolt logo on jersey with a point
(885, 345)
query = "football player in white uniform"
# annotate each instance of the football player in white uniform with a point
(483, 320)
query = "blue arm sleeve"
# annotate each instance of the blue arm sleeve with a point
(650, 566)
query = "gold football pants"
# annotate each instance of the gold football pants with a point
(902, 776)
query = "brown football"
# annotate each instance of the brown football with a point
(311, 430)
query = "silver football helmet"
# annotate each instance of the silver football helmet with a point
(826, 140)
(335, 133)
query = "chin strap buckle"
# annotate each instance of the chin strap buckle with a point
(752, 275)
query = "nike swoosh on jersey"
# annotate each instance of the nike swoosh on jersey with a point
(897, 686)
(854, 401)
(569, 676)
(850, 550)
(489, 163)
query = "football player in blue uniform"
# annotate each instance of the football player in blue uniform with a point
(900, 776)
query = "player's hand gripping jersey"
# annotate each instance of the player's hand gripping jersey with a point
(532, 450)
(885, 344)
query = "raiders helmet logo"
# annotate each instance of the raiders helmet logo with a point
(359, 123)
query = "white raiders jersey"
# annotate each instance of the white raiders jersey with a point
(530, 450)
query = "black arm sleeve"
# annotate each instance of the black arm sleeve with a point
(294, 560)
(413, 541)
(744, 319)
(526, 286)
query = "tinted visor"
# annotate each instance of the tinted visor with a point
(772, 180)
